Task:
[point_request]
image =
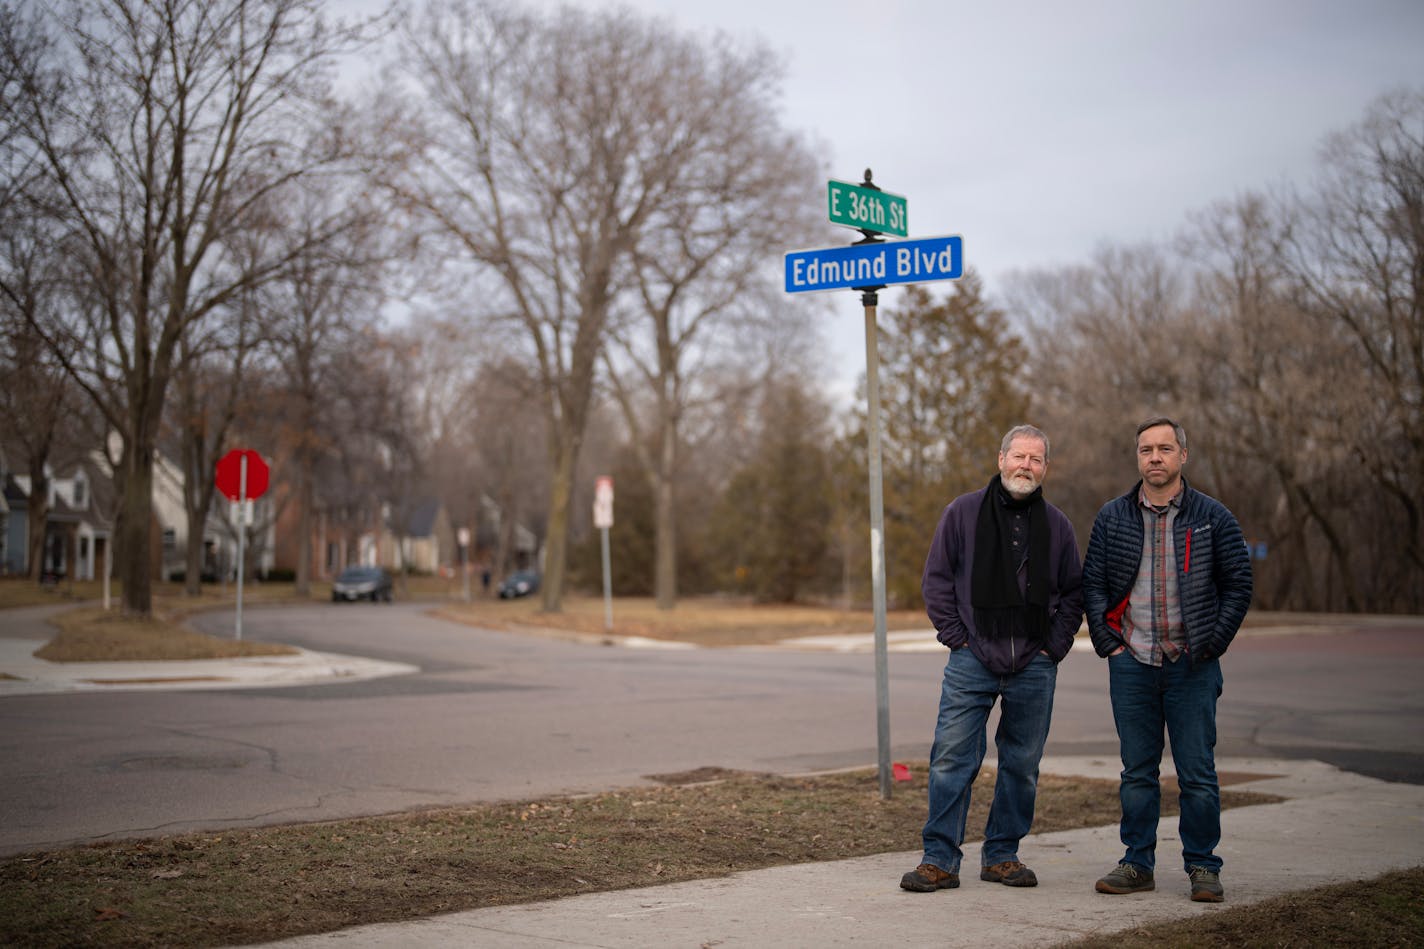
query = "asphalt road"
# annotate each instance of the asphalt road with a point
(495, 716)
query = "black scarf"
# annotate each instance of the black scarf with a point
(999, 608)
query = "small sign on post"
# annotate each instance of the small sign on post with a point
(603, 503)
(463, 536)
(603, 519)
(892, 262)
(869, 209)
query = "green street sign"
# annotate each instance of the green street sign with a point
(867, 208)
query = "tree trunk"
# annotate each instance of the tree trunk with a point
(135, 572)
(560, 495)
(665, 570)
(37, 515)
(304, 520)
(197, 499)
(193, 569)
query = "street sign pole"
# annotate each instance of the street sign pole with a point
(868, 265)
(877, 546)
(870, 300)
(241, 536)
(607, 586)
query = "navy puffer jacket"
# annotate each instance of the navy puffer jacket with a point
(1213, 571)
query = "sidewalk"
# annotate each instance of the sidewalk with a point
(1335, 827)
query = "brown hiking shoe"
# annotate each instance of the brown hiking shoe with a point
(1127, 878)
(926, 878)
(1009, 873)
(1206, 885)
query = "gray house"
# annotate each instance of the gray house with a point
(77, 533)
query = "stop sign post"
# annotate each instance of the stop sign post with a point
(241, 476)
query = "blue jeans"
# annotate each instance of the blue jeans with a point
(1180, 697)
(1026, 706)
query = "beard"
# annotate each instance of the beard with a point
(1019, 485)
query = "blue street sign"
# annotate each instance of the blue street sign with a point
(869, 265)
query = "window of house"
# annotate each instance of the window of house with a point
(80, 492)
(170, 538)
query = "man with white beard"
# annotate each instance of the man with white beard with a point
(1002, 585)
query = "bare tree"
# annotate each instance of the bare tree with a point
(36, 404)
(34, 401)
(1359, 256)
(209, 378)
(547, 146)
(320, 303)
(165, 128)
(705, 266)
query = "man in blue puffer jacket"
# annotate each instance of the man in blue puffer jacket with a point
(1166, 584)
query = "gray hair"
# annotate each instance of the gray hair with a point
(1177, 430)
(1024, 431)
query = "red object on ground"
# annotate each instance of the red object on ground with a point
(901, 772)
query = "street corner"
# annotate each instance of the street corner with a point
(23, 674)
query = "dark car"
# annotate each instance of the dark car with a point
(519, 583)
(362, 583)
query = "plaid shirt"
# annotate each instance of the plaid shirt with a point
(1152, 622)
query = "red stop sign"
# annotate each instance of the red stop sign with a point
(229, 474)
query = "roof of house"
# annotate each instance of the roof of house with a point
(15, 496)
(421, 522)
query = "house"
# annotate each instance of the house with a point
(78, 525)
(421, 540)
(423, 543)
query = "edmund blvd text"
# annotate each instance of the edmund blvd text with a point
(864, 265)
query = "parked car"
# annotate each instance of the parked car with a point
(519, 583)
(362, 583)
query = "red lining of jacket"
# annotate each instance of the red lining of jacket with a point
(1114, 617)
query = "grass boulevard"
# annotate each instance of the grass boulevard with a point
(268, 883)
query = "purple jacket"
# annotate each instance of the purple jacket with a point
(945, 587)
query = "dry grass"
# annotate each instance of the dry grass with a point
(169, 599)
(269, 883)
(705, 621)
(92, 635)
(19, 591)
(1385, 911)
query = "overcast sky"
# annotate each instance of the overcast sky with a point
(1039, 130)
